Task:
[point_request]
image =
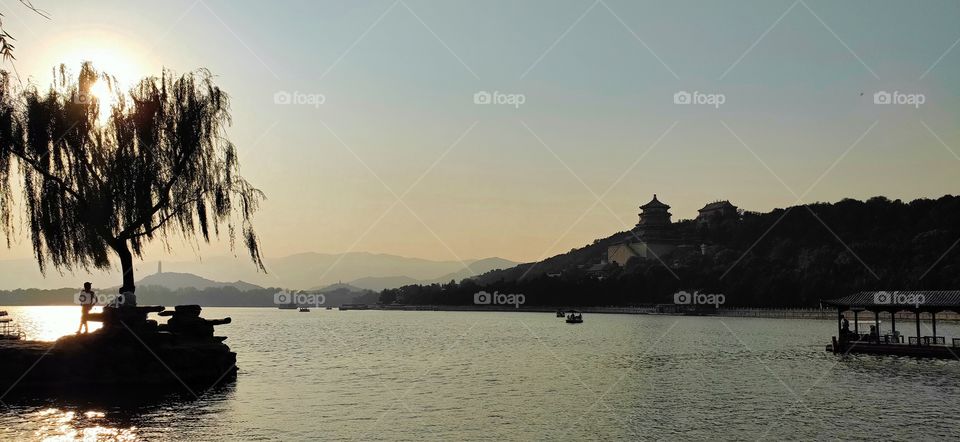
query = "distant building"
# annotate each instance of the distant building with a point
(715, 211)
(597, 270)
(653, 237)
(621, 253)
(655, 225)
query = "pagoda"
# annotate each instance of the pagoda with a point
(655, 224)
(653, 237)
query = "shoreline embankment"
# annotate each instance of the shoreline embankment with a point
(667, 310)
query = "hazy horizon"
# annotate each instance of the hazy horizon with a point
(296, 271)
(210, 266)
(598, 120)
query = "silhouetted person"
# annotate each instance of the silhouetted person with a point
(845, 324)
(87, 300)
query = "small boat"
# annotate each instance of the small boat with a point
(8, 330)
(560, 314)
(574, 318)
(304, 310)
(286, 307)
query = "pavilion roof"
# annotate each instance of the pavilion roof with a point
(654, 203)
(924, 300)
(717, 205)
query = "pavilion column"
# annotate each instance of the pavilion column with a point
(893, 325)
(918, 327)
(876, 322)
(856, 323)
(933, 316)
(840, 323)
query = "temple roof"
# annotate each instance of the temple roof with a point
(717, 205)
(886, 300)
(654, 204)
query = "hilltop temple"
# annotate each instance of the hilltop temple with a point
(653, 237)
(715, 211)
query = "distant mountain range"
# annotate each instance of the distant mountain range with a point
(175, 281)
(475, 268)
(170, 289)
(381, 282)
(361, 270)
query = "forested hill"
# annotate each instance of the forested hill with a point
(788, 257)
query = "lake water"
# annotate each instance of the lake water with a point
(374, 375)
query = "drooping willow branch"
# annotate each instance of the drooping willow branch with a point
(160, 164)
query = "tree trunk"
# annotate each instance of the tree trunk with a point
(126, 265)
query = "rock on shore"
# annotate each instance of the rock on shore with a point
(129, 352)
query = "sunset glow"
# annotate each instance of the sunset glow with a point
(113, 54)
(106, 98)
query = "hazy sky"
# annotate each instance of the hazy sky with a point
(598, 79)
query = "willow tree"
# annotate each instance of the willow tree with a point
(97, 184)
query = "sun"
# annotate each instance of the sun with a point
(115, 54)
(106, 96)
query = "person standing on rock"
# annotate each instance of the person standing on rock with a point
(87, 300)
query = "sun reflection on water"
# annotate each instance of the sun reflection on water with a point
(102, 414)
(59, 425)
(47, 323)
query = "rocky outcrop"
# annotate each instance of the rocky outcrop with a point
(130, 351)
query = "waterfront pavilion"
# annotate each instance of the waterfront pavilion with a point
(891, 303)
